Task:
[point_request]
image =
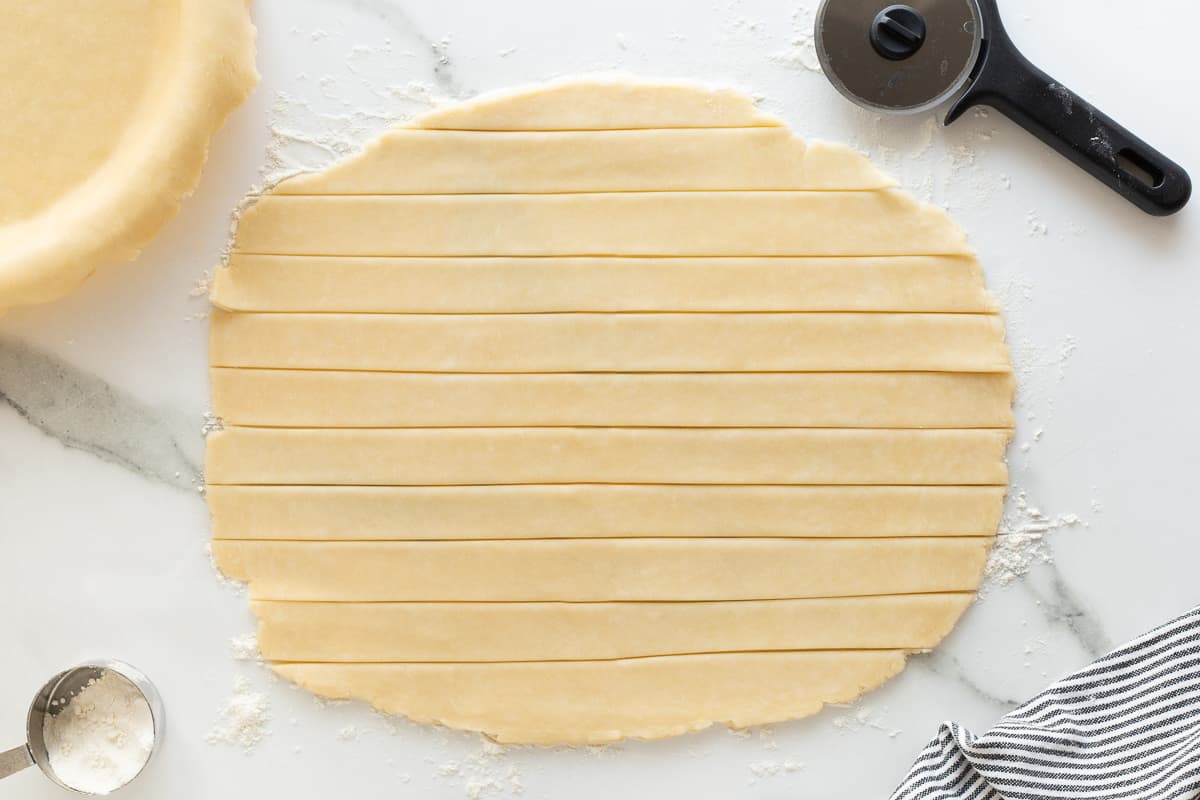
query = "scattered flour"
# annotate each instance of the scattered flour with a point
(487, 773)
(202, 286)
(739, 25)
(1038, 368)
(441, 51)
(1022, 541)
(766, 737)
(245, 647)
(242, 719)
(1033, 647)
(865, 718)
(200, 291)
(947, 167)
(103, 737)
(211, 423)
(237, 587)
(352, 108)
(304, 139)
(1034, 224)
(801, 53)
(1065, 97)
(770, 769)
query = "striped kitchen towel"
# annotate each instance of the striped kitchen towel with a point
(1128, 726)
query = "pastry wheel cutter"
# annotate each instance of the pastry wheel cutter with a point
(915, 56)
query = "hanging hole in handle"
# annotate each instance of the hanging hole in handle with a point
(1141, 168)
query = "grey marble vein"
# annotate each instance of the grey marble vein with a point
(947, 666)
(84, 413)
(1063, 607)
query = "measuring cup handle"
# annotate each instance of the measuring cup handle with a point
(15, 760)
(1009, 83)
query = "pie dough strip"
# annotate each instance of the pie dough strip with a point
(599, 104)
(549, 512)
(466, 632)
(474, 456)
(634, 224)
(593, 702)
(414, 161)
(611, 342)
(524, 285)
(311, 399)
(594, 570)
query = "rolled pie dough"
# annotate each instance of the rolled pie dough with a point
(107, 111)
(603, 409)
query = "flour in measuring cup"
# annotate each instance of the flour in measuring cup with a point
(103, 737)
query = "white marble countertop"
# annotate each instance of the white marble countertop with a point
(102, 396)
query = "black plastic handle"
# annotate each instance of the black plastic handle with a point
(1005, 80)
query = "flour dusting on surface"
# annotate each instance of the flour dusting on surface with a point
(1022, 540)
(237, 587)
(1024, 528)
(307, 139)
(767, 768)
(211, 424)
(202, 286)
(1034, 224)
(801, 53)
(860, 718)
(245, 647)
(485, 773)
(242, 720)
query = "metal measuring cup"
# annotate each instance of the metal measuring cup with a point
(56, 696)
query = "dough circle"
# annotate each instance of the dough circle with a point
(603, 409)
(108, 109)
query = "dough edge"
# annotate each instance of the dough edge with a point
(397, 688)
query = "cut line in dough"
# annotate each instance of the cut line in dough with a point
(605, 701)
(475, 632)
(478, 456)
(611, 342)
(413, 161)
(331, 399)
(598, 511)
(602, 570)
(532, 285)
(650, 224)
